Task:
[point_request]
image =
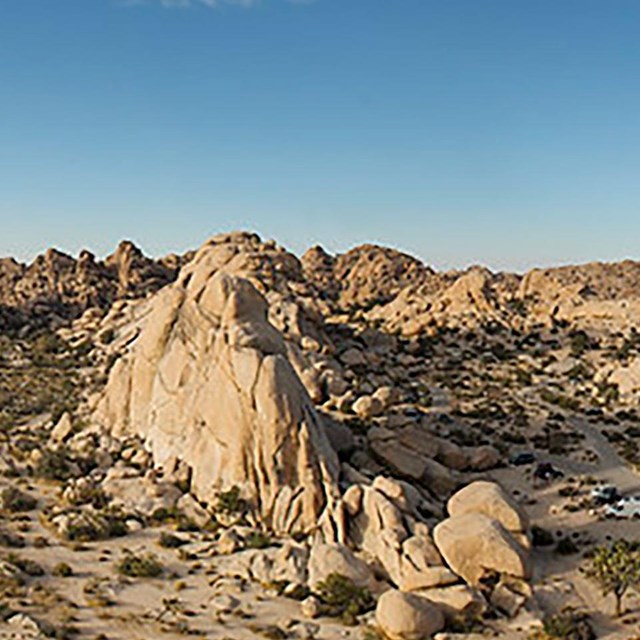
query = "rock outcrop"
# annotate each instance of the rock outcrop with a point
(208, 382)
(56, 287)
(364, 276)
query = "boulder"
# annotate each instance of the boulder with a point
(456, 601)
(414, 579)
(353, 358)
(483, 458)
(229, 542)
(190, 507)
(404, 616)
(326, 559)
(474, 545)
(387, 396)
(378, 529)
(506, 601)
(287, 563)
(340, 436)
(367, 407)
(410, 452)
(490, 499)
(63, 428)
(378, 526)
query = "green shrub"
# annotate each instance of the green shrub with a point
(230, 502)
(11, 540)
(541, 537)
(56, 465)
(30, 567)
(143, 566)
(567, 625)
(15, 500)
(62, 570)
(342, 598)
(257, 540)
(566, 547)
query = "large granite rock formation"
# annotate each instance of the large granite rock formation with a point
(208, 382)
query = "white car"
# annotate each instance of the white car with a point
(624, 508)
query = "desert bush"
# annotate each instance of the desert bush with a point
(257, 540)
(616, 569)
(29, 567)
(342, 598)
(62, 570)
(541, 537)
(566, 547)
(11, 540)
(56, 464)
(143, 566)
(566, 625)
(230, 502)
(15, 501)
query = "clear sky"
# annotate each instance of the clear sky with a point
(505, 132)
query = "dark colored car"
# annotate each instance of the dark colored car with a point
(607, 494)
(525, 457)
(546, 471)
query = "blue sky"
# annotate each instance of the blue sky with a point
(505, 132)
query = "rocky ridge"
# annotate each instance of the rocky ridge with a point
(56, 287)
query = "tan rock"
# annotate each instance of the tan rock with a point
(137, 494)
(473, 544)
(229, 542)
(326, 559)
(188, 505)
(491, 500)
(208, 381)
(353, 358)
(404, 616)
(456, 601)
(387, 396)
(483, 458)
(311, 607)
(63, 429)
(507, 601)
(367, 407)
(413, 579)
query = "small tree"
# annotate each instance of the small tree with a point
(616, 569)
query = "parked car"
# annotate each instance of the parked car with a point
(605, 494)
(624, 508)
(524, 457)
(546, 471)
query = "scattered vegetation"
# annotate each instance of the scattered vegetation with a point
(616, 569)
(566, 625)
(145, 565)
